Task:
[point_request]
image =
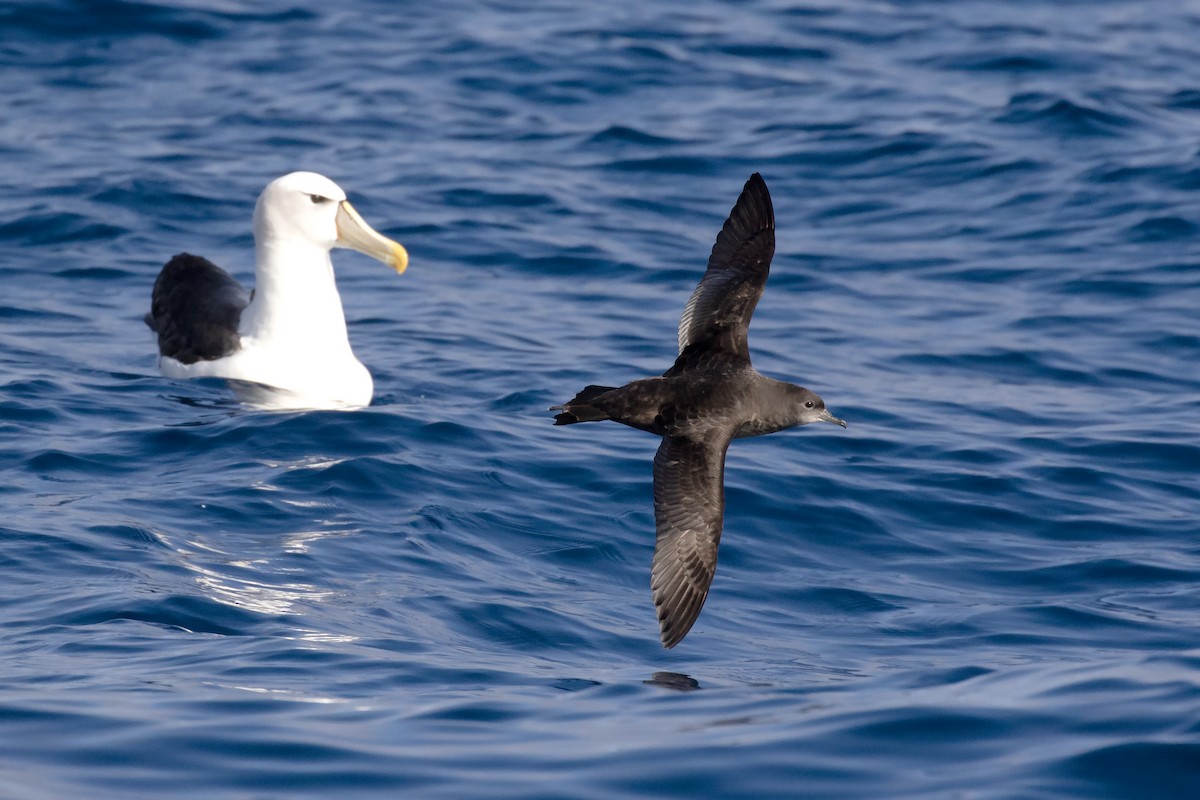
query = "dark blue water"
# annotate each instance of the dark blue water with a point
(988, 586)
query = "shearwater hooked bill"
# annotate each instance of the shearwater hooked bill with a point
(289, 334)
(710, 396)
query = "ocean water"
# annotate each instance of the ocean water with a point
(988, 263)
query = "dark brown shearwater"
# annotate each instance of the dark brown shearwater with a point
(710, 396)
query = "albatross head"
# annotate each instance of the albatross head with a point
(305, 206)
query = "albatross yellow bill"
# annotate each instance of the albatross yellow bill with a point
(355, 233)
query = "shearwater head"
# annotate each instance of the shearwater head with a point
(776, 406)
(807, 406)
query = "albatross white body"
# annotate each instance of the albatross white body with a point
(291, 336)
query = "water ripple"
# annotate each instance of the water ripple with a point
(986, 585)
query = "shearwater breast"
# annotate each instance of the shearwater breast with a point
(710, 396)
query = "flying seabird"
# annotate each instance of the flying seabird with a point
(288, 334)
(710, 396)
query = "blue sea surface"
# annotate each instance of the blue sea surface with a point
(988, 263)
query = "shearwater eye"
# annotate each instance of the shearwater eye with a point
(318, 199)
(808, 403)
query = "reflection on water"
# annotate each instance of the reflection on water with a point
(255, 569)
(217, 575)
(300, 541)
(255, 595)
(673, 680)
(323, 637)
(269, 398)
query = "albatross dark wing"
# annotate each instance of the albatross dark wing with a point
(721, 306)
(195, 309)
(689, 504)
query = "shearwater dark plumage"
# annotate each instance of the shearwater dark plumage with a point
(710, 396)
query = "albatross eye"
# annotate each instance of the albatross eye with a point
(318, 199)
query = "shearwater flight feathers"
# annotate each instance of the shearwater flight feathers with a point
(724, 301)
(689, 504)
(710, 396)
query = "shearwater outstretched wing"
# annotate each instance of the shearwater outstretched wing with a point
(722, 304)
(689, 507)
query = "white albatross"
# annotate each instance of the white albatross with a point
(289, 334)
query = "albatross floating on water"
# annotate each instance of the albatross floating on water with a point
(711, 396)
(289, 334)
